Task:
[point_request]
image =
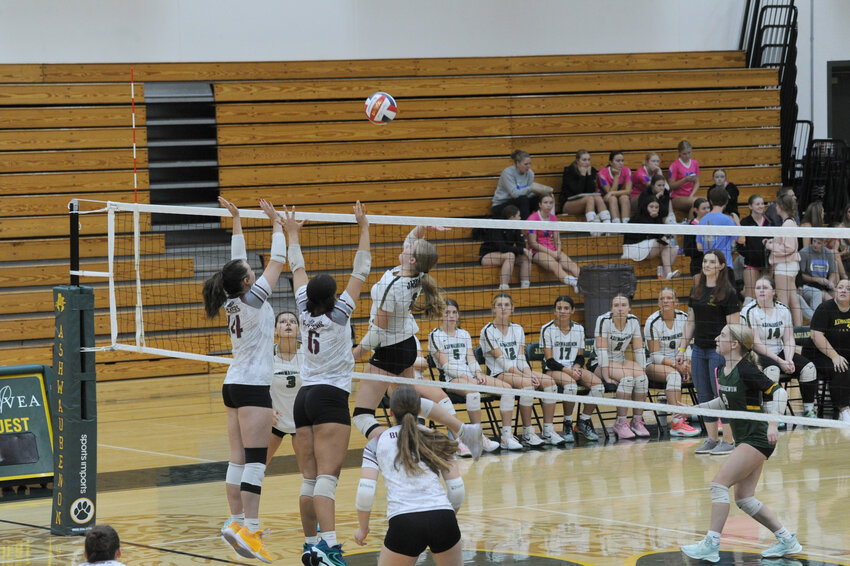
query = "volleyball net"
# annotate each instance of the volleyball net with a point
(150, 301)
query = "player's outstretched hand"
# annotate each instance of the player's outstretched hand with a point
(290, 225)
(360, 536)
(231, 208)
(267, 207)
(360, 215)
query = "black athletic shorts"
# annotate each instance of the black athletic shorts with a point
(396, 358)
(279, 433)
(411, 533)
(318, 404)
(799, 362)
(236, 395)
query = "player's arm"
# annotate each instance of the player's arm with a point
(363, 257)
(365, 497)
(296, 259)
(602, 355)
(454, 486)
(687, 335)
(277, 256)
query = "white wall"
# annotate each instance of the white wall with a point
(74, 31)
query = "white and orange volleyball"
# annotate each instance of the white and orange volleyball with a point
(380, 108)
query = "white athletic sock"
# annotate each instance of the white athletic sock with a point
(329, 537)
(506, 431)
(238, 519)
(625, 220)
(585, 417)
(312, 540)
(808, 407)
(527, 430)
(616, 221)
(783, 534)
(590, 216)
(253, 525)
(714, 536)
(548, 428)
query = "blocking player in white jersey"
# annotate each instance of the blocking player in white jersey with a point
(663, 332)
(503, 344)
(322, 423)
(420, 512)
(250, 320)
(401, 291)
(773, 341)
(286, 381)
(616, 331)
(451, 349)
(562, 341)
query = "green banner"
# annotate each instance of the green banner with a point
(74, 412)
(26, 441)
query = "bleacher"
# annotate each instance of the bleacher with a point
(294, 132)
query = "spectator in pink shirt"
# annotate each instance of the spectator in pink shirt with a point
(684, 178)
(615, 184)
(546, 246)
(643, 175)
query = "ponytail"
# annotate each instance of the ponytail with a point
(214, 295)
(433, 303)
(226, 283)
(417, 445)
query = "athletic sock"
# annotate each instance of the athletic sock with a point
(238, 519)
(329, 537)
(548, 428)
(590, 216)
(808, 407)
(252, 525)
(782, 534)
(585, 417)
(312, 540)
(713, 536)
(506, 431)
(527, 430)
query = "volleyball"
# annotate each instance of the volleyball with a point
(381, 108)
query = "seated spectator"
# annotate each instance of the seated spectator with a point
(773, 341)
(658, 188)
(784, 258)
(731, 209)
(645, 245)
(814, 217)
(684, 178)
(663, 333)
(718, 198)
(616, 331)
(689, 242)
(517, 187)
(578, 190)
(842, 246)
(451, 349)
(819, 276)
(506, 248)
(102, 547)
(615, 184)
(751, 248)
(562, 341)
(546, 246)
(503, 344)
(772, 212)
(642, 176)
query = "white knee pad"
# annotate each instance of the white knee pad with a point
(641, 384)
(749, 505)
(252, 477)
(597, 391)
(446, 404)
(234, 473)
(473, 401)
(307, 487)
(425, 406)
(772, 372)
(549, 389)
(674, 381)
(506, 402)
(326, 487)
(808, 373)
(571, 389)
(526, 400)
(365, 423)
(719, 493)
(626, 385)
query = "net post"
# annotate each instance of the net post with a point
(74, 209)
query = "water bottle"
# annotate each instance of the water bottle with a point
(660, 272)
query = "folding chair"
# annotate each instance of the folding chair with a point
(488, 413)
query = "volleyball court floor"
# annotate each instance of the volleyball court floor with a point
(160, 484)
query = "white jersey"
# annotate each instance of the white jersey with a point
(770, 328)
(285, 385)
(326, 343)
(395, 294)
(456, 349)
(512, 345)
(618, 340)
(668, 338)
(405, 493)
(565, 345)
(250, 320)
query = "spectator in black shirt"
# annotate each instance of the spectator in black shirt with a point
(506, 248)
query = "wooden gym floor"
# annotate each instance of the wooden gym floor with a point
(162, 449)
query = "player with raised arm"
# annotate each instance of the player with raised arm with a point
(616, 331)
(246, 389)
(420, 512)
(562, 341)
(401, 291)
(322, 422)
(663, 332)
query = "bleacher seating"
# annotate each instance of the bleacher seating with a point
(294, 132)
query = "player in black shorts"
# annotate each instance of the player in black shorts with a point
(742, 386)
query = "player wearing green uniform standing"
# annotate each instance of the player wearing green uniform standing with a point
(742, 387)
